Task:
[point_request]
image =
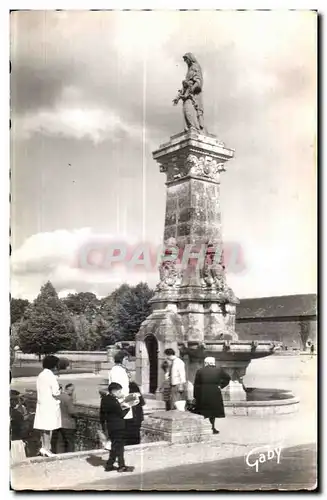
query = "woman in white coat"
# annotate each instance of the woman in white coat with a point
(48, 414)
(118, 374)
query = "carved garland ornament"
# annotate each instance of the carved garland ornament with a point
(203, 166)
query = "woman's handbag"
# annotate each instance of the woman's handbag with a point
(191, 407)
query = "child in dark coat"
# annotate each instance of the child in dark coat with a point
(112, 420)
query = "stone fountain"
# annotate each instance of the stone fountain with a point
(193, 308)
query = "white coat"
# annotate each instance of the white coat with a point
(119, 375)
(48, 414)
(177, 372)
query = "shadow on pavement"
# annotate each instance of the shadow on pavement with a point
(96, 461)
(297, 470)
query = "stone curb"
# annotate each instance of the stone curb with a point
(85, 453)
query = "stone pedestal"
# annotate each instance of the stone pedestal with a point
(192, 301)
(176, 427)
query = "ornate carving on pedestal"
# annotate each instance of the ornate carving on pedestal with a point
(205, 167)
(213, 276)
(169, 269)
(170, 275)
(163, 168)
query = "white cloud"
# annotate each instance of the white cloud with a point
(59, 256)
(75, 122)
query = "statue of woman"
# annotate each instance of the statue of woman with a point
(191, 95)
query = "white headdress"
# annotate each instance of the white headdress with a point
(209, 362)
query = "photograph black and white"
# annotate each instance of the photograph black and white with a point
(163, 232)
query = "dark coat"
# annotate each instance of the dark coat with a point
(133, 425)
(112, 414)
(207, 384)
(138, 415)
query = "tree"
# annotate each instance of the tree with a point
(17, 309)
(88, 338)
(104, 331)
(131, 310)
(108, 315)
(47, 326)
(82, 303)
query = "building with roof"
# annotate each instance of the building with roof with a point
(291, 319)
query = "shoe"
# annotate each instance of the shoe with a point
(110, 468)
(214, 431)
(125, 469)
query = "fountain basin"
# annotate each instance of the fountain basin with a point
(262, 402)
(224, 350)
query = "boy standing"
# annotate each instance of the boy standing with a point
(112, 417)
(68, 422)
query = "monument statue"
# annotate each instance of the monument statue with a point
(193, 310)
(191, 95)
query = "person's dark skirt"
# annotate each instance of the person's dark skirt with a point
(133, 432)
(133, 425)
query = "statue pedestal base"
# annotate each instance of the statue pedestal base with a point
(176, 427)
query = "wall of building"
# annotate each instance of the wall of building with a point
(286, 331)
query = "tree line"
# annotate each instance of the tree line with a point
(80, 321)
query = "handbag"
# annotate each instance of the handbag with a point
(191, 407)
(180, 405)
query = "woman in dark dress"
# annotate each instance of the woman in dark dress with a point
(207, 391)
(133, 425)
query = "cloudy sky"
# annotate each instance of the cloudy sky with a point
(91, 97)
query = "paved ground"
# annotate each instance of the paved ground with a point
(195, 466)
(238, 435)
(296, 470)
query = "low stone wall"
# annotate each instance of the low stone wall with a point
(87, 427)
(86, 356)
(87, 424)
(94, 360)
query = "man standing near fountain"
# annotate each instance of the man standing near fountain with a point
(207, 391)
(177, 378)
